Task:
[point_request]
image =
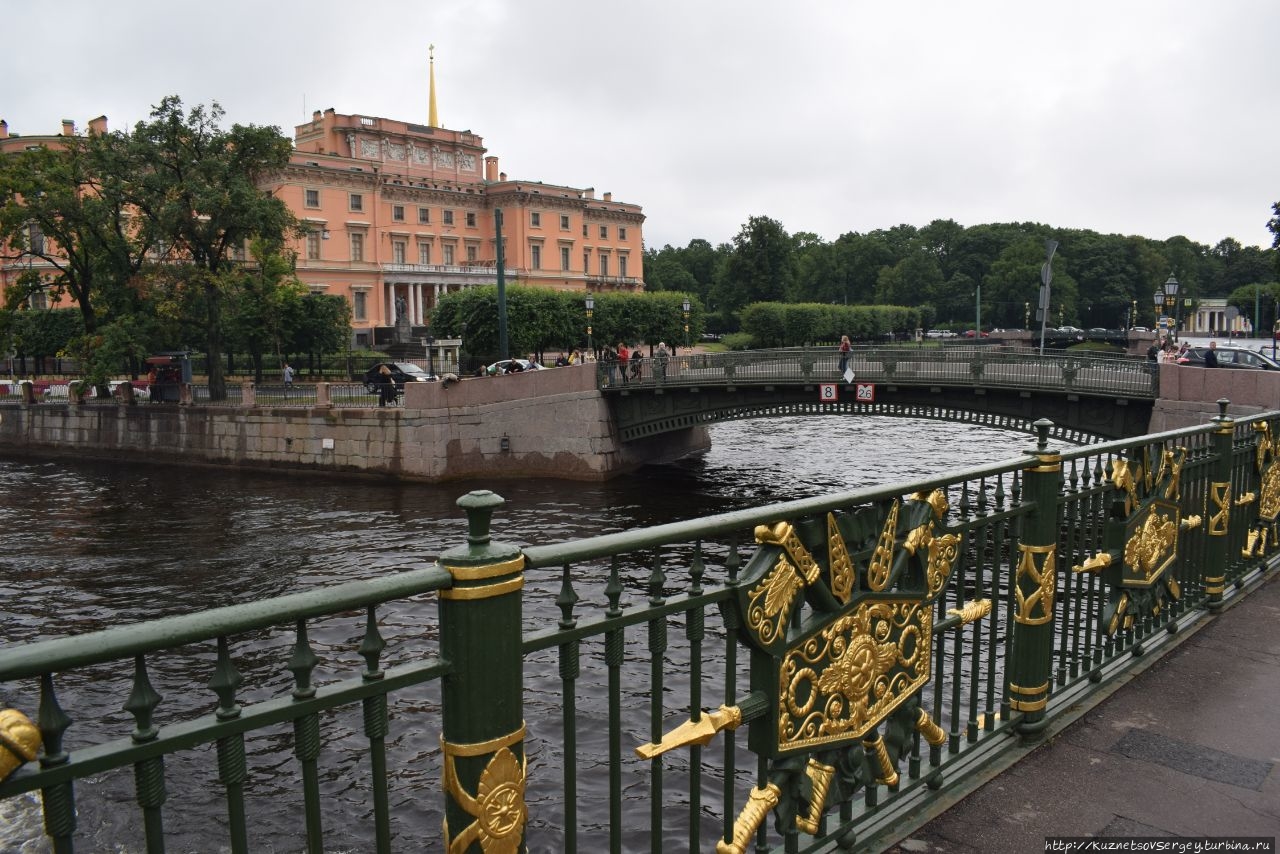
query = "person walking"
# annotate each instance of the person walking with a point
(386, 386)
(1211, 355)
(288, 375)
(845, 348)
(624, 357)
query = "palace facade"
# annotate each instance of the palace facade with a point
(398, 214)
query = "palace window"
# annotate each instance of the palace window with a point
(359, 308)
(535, 257)
(622, 266)
(448, 217)
(471, 219)
(622, 233)
(397, 213)
(535, 219)
(604, 263)
(424, 216)
(357, 202)
(564, 258)
(357, 246)
(313, 246)
(604, 232)
(472, 254)
(586, 261)
(397, 251)
(312, 198)
(564, 222)
(448, 254)
(424, 253)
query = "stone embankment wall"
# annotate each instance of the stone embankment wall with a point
(550, 423)
(1188, 396)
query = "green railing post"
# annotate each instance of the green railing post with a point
(1035, 582)
(1214, 572)
(483, 712)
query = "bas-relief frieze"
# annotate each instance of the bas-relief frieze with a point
(420, 155)
(395, 151)
(443, 159)
(467, 162)
(370, 148)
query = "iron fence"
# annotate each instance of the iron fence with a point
(879, 647)
(968, 365)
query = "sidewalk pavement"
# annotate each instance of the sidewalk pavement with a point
(1190, 747)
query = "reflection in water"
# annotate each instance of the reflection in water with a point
(87, 546)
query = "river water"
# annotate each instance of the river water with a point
(87, 546)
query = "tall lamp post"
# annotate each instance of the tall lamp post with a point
(1133, 314)
(462, 349)
(1171, 291)
(684, 306)
(1158, 298)
(431, 341)
(591, 304)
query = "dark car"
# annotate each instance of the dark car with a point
(1230, 357)
(401, 373)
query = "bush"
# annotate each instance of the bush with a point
(739, 341)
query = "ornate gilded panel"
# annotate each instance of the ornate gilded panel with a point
(1142, 538)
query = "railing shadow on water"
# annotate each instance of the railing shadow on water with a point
(972, 610)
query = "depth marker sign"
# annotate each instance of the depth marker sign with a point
(865, 393)
(828, 392)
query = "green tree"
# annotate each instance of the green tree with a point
(198, 188)
(263, 308)
(761, 267)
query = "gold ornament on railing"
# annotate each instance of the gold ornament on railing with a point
(19, 741)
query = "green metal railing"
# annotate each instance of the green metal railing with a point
(591, 691)
(976, 366)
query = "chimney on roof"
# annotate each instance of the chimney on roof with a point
(98, 126)
(68, 127)
(590, 192)
(315, 116)
(502, 176)
(4, 129)
(608, 197)
(491, 168)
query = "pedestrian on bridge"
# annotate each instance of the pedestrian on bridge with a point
(845, 347)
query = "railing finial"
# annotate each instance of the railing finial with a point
(479, 505)
(1043, 426)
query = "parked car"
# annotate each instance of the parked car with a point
(513, 366)
(401, 373)
(1230, 357)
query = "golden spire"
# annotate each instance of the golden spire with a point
(432, 119)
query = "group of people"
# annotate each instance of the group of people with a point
(1166, 350)
(626, 364)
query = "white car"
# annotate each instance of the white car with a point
(513, 366)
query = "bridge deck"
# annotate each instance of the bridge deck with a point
(1188, 747)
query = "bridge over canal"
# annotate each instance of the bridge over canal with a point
(1087, 397)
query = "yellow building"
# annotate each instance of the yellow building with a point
(401, 211)
(398, 214)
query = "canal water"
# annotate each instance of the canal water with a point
(87, 546)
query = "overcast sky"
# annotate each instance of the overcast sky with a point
(1148, 117)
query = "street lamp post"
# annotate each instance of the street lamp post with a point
(431, 341)
(684, 306)
(591, 304)
(1158, 298)
(462, 348)
(1171, 291)
(1133, 314)
(1026, 311)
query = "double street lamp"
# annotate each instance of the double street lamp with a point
(591, 305)
(1171, 291)
(685, 307)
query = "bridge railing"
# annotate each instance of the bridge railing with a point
(978, 366)
(878, 647)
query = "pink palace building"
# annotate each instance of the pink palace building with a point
(402, 212)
